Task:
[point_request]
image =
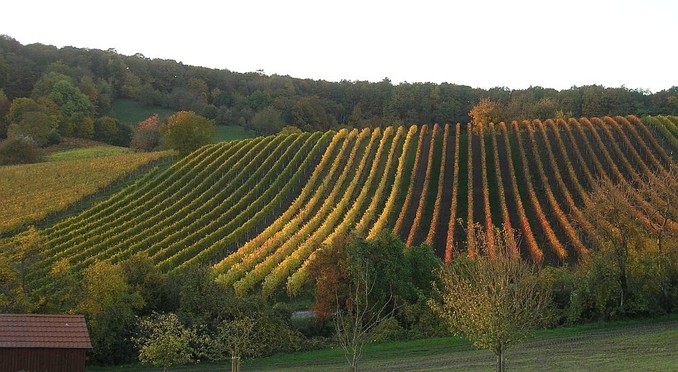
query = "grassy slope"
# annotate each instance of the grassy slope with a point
(130, 112)
(37, 190)
(636, 345)
(231, 133)
(88, 153)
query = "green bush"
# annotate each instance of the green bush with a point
(19, 150)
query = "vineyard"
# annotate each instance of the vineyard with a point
(34, 191)
(258, 210)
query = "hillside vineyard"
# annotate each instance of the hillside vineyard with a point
(259, 210)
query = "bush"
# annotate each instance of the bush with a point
(185, 131)
(19, 150)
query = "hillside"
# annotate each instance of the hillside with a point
(32, 192)
(259, 209)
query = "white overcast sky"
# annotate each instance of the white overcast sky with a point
(485, 43)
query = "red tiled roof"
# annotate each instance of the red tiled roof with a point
(44, 331)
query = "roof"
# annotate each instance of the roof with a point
(44, 331)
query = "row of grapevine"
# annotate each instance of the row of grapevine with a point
(505, 217)
(85, 235)
(369, 215)
(296, 280)
(147, 211)
(535, 252)
(489, 226)
(410, 188)
(551, 237)
(422, 198)
(449, 242)
(390, 207)
(430, 236)
(470, 238)
(579, 216)
(215, 208)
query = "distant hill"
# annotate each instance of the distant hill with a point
(113, 82)
(257, 210)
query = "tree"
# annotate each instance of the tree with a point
(146, 135)
(75, 108)
(632, 271)
(309, 114)
(545, 108)
(36, 125)
(661, 187)
(4, 108)
(144, 278)
(165, 341)
(360, 282)
(494, 302)
(486, 111)
(237, 337)
(356, 324)
(185, 131)
(290, 129)
(109, 305)
(611, 212)
(19, 150)
(106, 129)
(267, 121)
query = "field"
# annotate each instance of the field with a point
(34, 191)
(88, 153)
(130, 112)
(608, 347)
(231, 133)
(259, 209)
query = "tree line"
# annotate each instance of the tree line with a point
(75, 89)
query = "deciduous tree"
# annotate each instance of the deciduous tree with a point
(267, 121)
(146, 135)
(185, 131)
(165, 341)
(486, 111)
(235, 337)
(494, 302)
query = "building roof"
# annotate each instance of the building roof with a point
(44, 331)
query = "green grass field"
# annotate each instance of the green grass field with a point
(87, 153)
(619, 346)
(130, 112)
(231, 133)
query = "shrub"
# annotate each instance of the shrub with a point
(19, 150)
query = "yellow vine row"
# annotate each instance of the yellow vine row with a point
(422, 198)
(436, 208)
(511, 241)
(410, 187)
(449, 242)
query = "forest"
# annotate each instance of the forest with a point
(76, 87)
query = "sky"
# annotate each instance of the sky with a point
(481, 43)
